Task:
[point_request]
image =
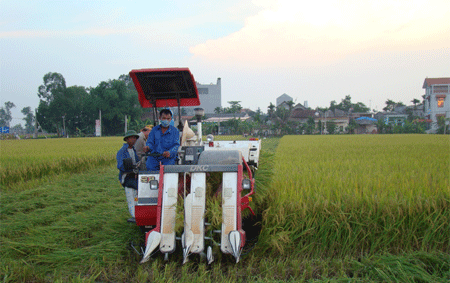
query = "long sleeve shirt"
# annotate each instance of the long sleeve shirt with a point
(139, 145)
(121, 155)
(158, 143)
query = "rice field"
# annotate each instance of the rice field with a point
(26, 160)
(337, 196)
(366, 208)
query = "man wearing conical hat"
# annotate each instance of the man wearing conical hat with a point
(164, 139)
(126, 178)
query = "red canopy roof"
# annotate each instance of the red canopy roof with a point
(165, 87)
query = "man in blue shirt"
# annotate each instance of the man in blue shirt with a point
(127, 178)
(164, 139)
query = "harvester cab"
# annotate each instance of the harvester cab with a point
(161, 193)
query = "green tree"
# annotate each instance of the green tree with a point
(77, 119)
(390, 105)
(331, 127)
(218, 110)
(258, 117)
(54, 84)
(235, 106)
(380, 126)
(415, 101)
(79, 107)
(52, 103)
(270, 110)
(352, 126)
(411, 112)
(333, 105)
(346, 105)
(29, 119)
(310, 126)
(283, 126)
(290, 104)
(128, 81)
(115, 101)
(360, 107)
(5, 114)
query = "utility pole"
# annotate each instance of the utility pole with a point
(35, 124)
(64, 125)
(100, 117)
(126, 123)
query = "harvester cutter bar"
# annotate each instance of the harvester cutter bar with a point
(168, 216)
(194, 209)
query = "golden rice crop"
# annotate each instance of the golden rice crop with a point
(24, 160)
(350, 195)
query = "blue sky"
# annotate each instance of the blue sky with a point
(313, 51)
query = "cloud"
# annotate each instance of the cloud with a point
(287, 33)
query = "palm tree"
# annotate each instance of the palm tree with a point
(415, 101)
(290, 104)
(270, 109)
(390, 105)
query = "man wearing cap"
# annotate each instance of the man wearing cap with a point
(126, 178)
(164, 139)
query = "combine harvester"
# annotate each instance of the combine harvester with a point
(159, 192)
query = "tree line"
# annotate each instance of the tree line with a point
(73, 111)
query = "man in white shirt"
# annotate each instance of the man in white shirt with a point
(140, 144)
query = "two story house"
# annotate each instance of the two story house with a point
(436, 100)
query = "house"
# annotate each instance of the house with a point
(366, 125)
(436, 101)
(339, 117)
(415, 110)
(393, 118)
(301, 115)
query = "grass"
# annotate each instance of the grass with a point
(72, 228)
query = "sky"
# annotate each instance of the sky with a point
(315, 51)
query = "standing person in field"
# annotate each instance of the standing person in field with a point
(140, 144)
(128, 179)
(164, 139)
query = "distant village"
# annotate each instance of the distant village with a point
(429, 115)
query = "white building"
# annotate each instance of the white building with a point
(210, 96)
(283, 98)
(436, 99)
